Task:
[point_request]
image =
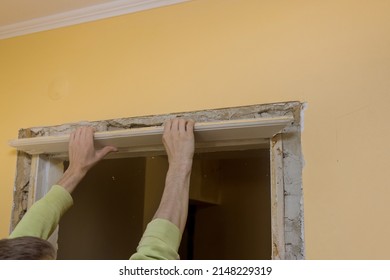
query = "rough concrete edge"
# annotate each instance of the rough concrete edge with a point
(304, 107)
(21, 184)
(294, 219)
(242, 112)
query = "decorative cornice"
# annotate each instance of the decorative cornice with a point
(92, 13)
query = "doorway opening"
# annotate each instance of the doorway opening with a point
(275, 128)
(229, 213)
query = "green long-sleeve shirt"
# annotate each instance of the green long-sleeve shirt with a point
(160, 240)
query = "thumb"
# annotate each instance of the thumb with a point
(106, 150)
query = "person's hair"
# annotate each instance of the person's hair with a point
(26, 248)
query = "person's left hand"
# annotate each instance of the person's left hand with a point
(82, 152)
(82, 156)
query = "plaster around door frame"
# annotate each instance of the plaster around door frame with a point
(36, 173)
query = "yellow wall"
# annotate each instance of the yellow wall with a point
(221, 53)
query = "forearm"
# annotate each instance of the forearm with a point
(161, 239)
(45, 214)
(42, 218)
(174, 202)
(71, 179)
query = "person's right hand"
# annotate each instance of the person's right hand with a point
(178, 140)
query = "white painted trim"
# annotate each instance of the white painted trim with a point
(45, 172)
(92, 13)
(36, 166)
(207, 135)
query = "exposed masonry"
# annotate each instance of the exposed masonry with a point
(292, 158)
(293, 195)
(22, 184)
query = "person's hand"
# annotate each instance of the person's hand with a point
(82, 152)
(82, 157)
(178, 140)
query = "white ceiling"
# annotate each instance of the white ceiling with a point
(16, 11)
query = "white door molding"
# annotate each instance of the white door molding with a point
(208, 135)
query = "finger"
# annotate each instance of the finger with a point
(89, 135)
(85, 136)
(167, 126)
(190, 126)
(175, 125)
(105, 151)
(76, 136)
(80, 134)
(182, 125)
(72, 137)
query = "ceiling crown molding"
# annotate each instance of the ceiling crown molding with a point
(92, 13)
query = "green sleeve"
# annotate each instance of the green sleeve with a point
(160, 241)
(44, 215)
